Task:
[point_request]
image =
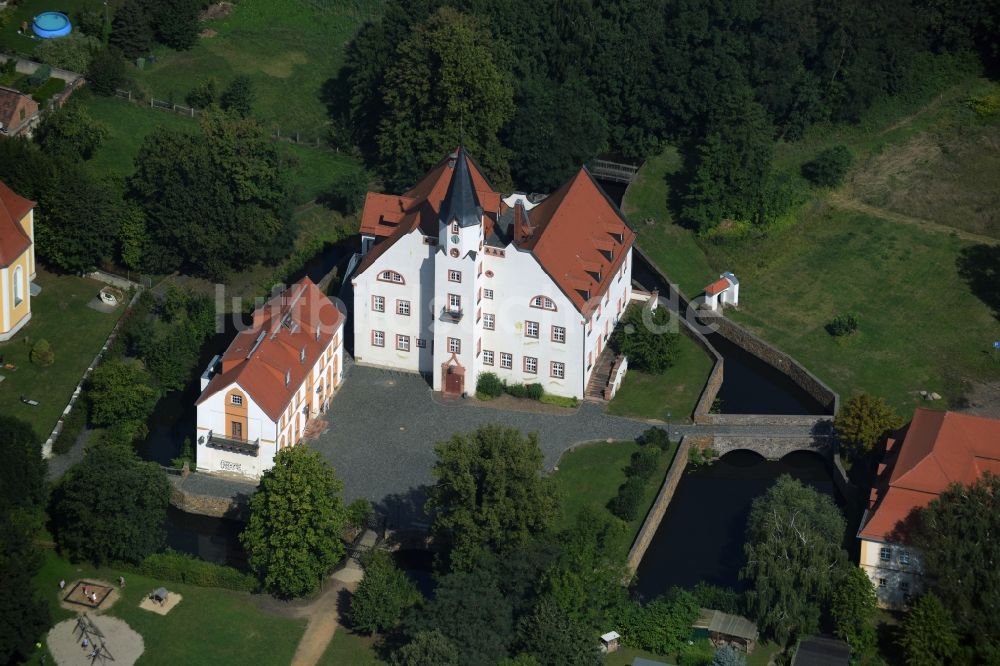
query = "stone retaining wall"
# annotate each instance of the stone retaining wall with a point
(236, 508)
(779, 360)
(655, 515)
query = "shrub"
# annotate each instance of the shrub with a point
(643, 463)
(183, 568)
(829, 167)
(489, 384)
(203, 95)
(516, 390)
(626, 503)
(648, 338)
(534, 391)
(72, 52)
(347, 192)
(45, 91)
(698, 457)
(657, 437)
(73, 425)
(42, 354)
(186, 456)
(843, 324)
(358, 512)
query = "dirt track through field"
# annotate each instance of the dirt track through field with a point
(842, 200)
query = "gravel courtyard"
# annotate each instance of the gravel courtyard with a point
(383, 426)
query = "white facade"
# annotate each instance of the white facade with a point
(497, 307)
(895, 571)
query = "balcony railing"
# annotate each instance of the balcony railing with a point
(241, 446)
(451, 314)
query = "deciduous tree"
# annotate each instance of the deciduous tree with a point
(793, 552)
(929, 637)
(427, 648)
(957, 537)
(106, 71)
(382, 596)
(120, 391)
(853, 609)
(444, 88)
(111, 507)
(132, 29)
(70, 132)
(293, 537)
(238, 96)
(863, 422)
(489, 494)
(648, 338)
(552, 637)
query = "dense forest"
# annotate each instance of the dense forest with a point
(535, 88)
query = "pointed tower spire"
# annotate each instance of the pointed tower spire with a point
(461, 203)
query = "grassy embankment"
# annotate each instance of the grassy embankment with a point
(922, 326)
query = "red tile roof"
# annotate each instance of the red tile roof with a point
(392, 217)
(13, 239)
(717, 287)
(11, 102)
(258, 358)
(578, 236)
(933, 451)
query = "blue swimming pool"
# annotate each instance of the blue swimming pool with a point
(49, 25)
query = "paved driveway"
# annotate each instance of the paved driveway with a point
(383, 426)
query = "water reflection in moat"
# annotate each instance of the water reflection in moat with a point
(701, 535)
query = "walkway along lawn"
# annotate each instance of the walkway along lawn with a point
(650, 396)
(209, 626)
(589, 475)
(76, 333)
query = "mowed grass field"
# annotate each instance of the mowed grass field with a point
(288, 48)
(210, 626)
(676, 391)
(76, 333)
(588, 477)
(922, 327)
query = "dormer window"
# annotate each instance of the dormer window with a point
(288, 377)
(317, 333)
(302, 355)
(454, 227)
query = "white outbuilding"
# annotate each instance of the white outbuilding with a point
(722, 292)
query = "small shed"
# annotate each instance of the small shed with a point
(609, 641)
(725, 629)
(722, 292)
(159, 595)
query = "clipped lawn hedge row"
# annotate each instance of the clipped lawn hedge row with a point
(184, 568)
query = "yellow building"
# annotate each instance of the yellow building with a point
(17, 261)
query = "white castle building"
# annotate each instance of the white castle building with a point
(456, 280)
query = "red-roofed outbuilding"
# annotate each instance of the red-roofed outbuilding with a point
(933, 451)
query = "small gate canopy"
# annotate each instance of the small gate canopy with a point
(160, 594)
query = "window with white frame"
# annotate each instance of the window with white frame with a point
(454, 227)
(558, 334)
(391, 276)
(402, 342)
(454, 346)
(454, 276)
(454, 302)
(543, 302)
(530, 364)
(488, 293)
(403, 307)
(904, 557)
(487, 357)
(506, 360)
(884, 554)
(237, 400)
(557, 370)
(378, 338)
(378, 303)
(489, 322)
(421, 343)
(531, 329)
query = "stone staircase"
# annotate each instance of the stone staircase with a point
(599, 378)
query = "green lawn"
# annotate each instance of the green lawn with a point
(26, 10)
(673, 248)
(209, 626)
(288, 48)
(589, 476)
(676, 391)
(347, 647)
(310, 170)
(76, 332)
(920, 326)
